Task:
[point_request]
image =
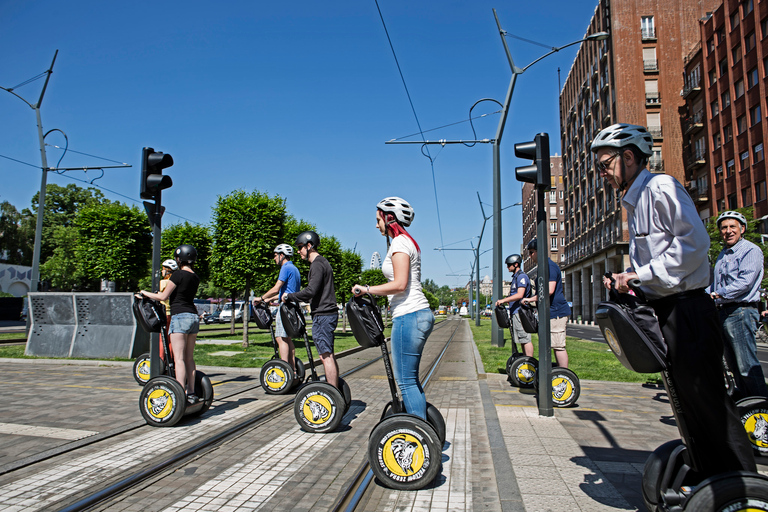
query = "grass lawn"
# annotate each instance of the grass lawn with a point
(12, 335)
(590, 360)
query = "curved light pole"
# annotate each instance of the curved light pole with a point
(35, 279)
(497, 336)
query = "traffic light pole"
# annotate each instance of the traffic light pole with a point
(155, 214)
(544, 374)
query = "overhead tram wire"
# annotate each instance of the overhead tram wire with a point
(421, 132)
(448, 125)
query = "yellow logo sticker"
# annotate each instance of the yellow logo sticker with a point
(403, 455)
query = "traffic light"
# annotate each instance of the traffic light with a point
(537, 150)
(152, 179)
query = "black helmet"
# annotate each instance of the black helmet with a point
(513, 258)
(532, 245)
(308, 237)
(185, 254)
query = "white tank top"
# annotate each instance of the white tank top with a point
(412, 298)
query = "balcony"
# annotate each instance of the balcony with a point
(693, 123)
(699, 197)
(692, 88)
(695, 160)
(655, 132)
(652, 99)
(648, 34)
(651, 66)
(656, 165)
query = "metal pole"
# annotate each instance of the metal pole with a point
(544, 373)
(155, 365)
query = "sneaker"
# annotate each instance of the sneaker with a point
(192, 399)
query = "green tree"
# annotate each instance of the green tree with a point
(63, 269)
(430, 286)
(752, 234)
(193, 234)
(432, 299)
(246, 229)
(292, 228)
(348, 275)
(115, 243)
(16, 237)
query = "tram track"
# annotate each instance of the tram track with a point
(200, 448)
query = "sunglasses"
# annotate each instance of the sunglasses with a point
(601, 166)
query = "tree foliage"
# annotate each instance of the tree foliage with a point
(432, 299)
(195, 235)
(63, 269)
(115, 243)
(17, 236)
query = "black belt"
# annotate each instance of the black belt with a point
(735, 305)
(688, 294)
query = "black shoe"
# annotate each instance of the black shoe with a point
(191, 399)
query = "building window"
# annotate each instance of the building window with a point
(552, 212)
(760, 191)
(746, 197)
(763, 29)
(745, 160)
(727, 133)
(562, 211)
(726, 97)
(711, 41)
(716, 140)
(736, 54)
(715, 108)
(765, 66)
(647, 28)
(730, 168)
(720, 32)
(652, 92)
(757, 151)
(739, 88)
(562, 242)
(732, 204)
(754, 115)
(562, 225)
(749, 42)
(752, 77)
(748, 5)
(741, 124)
(712, 77)
(723, 67)
(553, 244)
(721, 204)
(553, 227)
(649, 60)
(719, 174)
(552, 197)
(735, 19)
(561, 194)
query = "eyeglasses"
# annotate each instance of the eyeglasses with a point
(601, 166)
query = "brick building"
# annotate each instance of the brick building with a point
(634, 77)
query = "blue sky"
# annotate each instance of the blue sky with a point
(295, 99)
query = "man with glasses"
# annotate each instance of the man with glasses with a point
(518, 289)
(668, 247)
(322, 300)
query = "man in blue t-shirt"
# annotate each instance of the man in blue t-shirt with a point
(559, 311)
(518, 289)
(288, 281)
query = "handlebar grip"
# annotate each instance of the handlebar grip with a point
(357, 290)
(634, 283)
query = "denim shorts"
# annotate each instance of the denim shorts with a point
(185, 323)
(323, 327)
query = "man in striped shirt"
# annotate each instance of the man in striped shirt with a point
(736, 291)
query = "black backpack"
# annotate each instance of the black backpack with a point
(293, 319)
(365, 321)
(262, 316)
(150, 314)
(529, 317)
(502, 316)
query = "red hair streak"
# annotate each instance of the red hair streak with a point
(394, 228)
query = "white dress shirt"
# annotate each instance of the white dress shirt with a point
(668, 243)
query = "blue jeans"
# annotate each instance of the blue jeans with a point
(409, 335)
(739, 327)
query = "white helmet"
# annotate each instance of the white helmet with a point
(171, 265)
(621, 135)
(284, 249)
(398, 207)
(732, 215)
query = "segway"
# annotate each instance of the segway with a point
(319, 406)
(405, 452)
(163, 400)
(276, 375)
(521, 369)
(669, 480)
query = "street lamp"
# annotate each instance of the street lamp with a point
(497, 336)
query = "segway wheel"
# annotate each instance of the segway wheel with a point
(514, 357)
(566, 387)
(141, 369)
(318, 407)
(437, 422)
(204, 391)
(522, 373)
(737, 491)
(162, 401)
(754, 416)
(276, 377)
(404, 452)
(654, 470)
(346, 393)
(301, 372)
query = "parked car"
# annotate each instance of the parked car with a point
(213, 318)
(226, 312)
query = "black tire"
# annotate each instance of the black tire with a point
(522, 373)
(388, 411)
(566, 387)
(511, 361)
(318, 407)
(346, 393)
(753, 412)
(141, 369)
(301, 372)
(739, 490)
(653, 473)
(204, 391)
(162, 401)
(276, 377)
(437, 422)
(415, 459)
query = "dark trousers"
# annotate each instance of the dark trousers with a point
(707, 417)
